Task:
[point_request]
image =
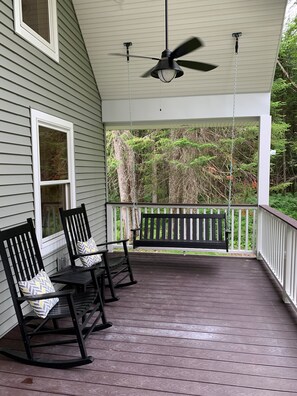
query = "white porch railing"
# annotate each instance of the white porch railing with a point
(242, 221)
(277, 246)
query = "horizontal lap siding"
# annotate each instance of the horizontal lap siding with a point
(66, 90)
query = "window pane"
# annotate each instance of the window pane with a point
(53, 154)
(52, 198)
(35, 15)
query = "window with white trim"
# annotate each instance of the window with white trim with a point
(54, 178)
(36, 21)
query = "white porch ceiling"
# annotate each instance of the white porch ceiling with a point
(107, 24)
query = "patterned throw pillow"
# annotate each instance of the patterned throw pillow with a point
(40, 284)
(88, 247)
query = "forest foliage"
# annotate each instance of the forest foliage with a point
(199, 165)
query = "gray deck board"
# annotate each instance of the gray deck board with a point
(192, 325)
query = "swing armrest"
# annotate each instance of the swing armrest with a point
(134, 233)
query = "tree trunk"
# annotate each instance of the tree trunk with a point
(154, 182)
(175, 194)
(284, 170)
(125, 157)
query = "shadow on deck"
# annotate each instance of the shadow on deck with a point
(193, 325)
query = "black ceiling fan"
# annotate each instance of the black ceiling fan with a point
(167, 67)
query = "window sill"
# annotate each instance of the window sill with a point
(48, 247)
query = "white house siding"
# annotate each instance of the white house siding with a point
(67, 90)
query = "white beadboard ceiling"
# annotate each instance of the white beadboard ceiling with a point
(107, 24)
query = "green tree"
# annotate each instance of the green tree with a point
(189, 165)
(284, 114)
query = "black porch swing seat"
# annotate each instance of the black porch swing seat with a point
(118, 270)
(180, 230)
(71, 320)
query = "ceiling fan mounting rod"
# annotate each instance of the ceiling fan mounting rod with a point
(166, 24)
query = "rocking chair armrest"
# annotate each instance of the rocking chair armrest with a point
(111, 242)
(45, 296)
(90, 254)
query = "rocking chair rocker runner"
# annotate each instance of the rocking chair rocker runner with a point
(76, 229)
(80, 313)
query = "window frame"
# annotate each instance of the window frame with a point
(38, 118)
(49, 48)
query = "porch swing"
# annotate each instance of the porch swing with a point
(181, 230)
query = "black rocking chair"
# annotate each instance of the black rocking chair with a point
(76, 228)
(76, 314)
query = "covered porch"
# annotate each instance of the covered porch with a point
(193, 325)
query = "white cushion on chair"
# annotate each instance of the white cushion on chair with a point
(40, 284)
(88, 247)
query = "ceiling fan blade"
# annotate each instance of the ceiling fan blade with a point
(134, 56)
(148, 73)
(196, 65)
(186, 47)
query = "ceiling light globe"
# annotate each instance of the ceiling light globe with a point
(166, 75)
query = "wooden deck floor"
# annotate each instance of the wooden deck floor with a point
(192, 325)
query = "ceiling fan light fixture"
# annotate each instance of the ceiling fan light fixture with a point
(166, 70)
(166, 75)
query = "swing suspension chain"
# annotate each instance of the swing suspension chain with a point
(134, 202)
(236, 35)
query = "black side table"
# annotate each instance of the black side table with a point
(79, 278)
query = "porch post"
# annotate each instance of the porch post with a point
(109, 225)
(263, 172)
(264, 160)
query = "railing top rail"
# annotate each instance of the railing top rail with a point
(161, 205)
(287, 219)
(183, 216)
